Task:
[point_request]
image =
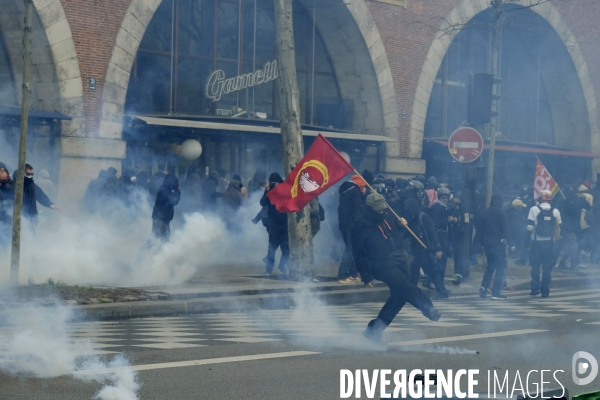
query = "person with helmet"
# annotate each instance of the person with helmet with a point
(442, 216)
(543, 222)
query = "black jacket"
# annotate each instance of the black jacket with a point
(439, 214)
(167, 198)
(350, 205)
(7, 199)
(373, 242)
(32, 194)
(209, 190)
(275, 219)
(422, 226)
(492, 225)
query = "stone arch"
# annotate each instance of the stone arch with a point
(140, 13)
(56, 77)
(461, 14)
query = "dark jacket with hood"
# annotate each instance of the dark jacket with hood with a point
(167, 198)
(7, 199)
(374, 240)
(276, 220)
(492, 224)
(209, 190)
(32, 194)
(439, 214)
(351, 203)
(422, 226)
(232, 197)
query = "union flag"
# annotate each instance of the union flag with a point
(543, 181)
(321, 167)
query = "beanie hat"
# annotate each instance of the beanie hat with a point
(358, 180)
(275, 177)
(587, 184)
(376, 202)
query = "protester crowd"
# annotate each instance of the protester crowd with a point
(401, 232)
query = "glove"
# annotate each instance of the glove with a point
(530, 228)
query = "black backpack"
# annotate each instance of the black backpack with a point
(546, 223)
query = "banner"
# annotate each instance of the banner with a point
(321, 167)
(543, 181)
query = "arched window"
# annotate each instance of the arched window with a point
(8, 95)
(217, 58)
(541, 98)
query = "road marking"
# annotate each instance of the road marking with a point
(466, 337)
(191, 363)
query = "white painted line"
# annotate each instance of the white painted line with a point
(466, 337)
(191, 363)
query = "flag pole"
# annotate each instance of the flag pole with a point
(390, 208)
(373, 190)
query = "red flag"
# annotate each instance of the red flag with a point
(321, 167)
(543, 181)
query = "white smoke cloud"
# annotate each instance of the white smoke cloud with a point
(100, 249)
(37, 341)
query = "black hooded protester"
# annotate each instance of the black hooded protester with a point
(494, 234)
(442, 216)
(129, 187)
(352, 200)
(424, 257)
(7, 197)
(167, 198)
(254, 184)
(32, 194)
(92, 199)
(375, 245)
(232, 201)
(277, 227)
(209, 192)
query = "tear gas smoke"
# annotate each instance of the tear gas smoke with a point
(37, 341)
(100, 249)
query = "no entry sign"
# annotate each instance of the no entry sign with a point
(465, 144)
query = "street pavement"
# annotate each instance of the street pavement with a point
(298, 353)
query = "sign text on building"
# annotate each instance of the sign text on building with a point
(217, 85)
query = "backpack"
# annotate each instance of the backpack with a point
(546, 223)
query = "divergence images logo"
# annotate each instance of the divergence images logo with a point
(581, 367)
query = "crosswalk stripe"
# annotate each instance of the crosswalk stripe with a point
(467, 337)
(191, 363)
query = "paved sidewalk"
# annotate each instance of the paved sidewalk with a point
(230, 290)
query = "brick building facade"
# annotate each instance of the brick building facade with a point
(386, 54)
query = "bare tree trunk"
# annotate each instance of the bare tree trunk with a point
(16, 228)
(495, 123)
(301, 252)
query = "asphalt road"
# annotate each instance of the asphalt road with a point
(298, 354)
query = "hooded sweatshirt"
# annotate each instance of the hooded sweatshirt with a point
(233, 196)
(167, 198)
(422, 226)
(276, 220)
(492, 224)
(351, 203)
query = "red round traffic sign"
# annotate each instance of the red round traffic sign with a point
(465, 144)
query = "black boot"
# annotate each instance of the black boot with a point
(374, 330)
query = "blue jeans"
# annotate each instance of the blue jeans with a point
(347, 266)
(278, 237)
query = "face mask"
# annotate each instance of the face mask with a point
(133, 179)
(29, 176)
